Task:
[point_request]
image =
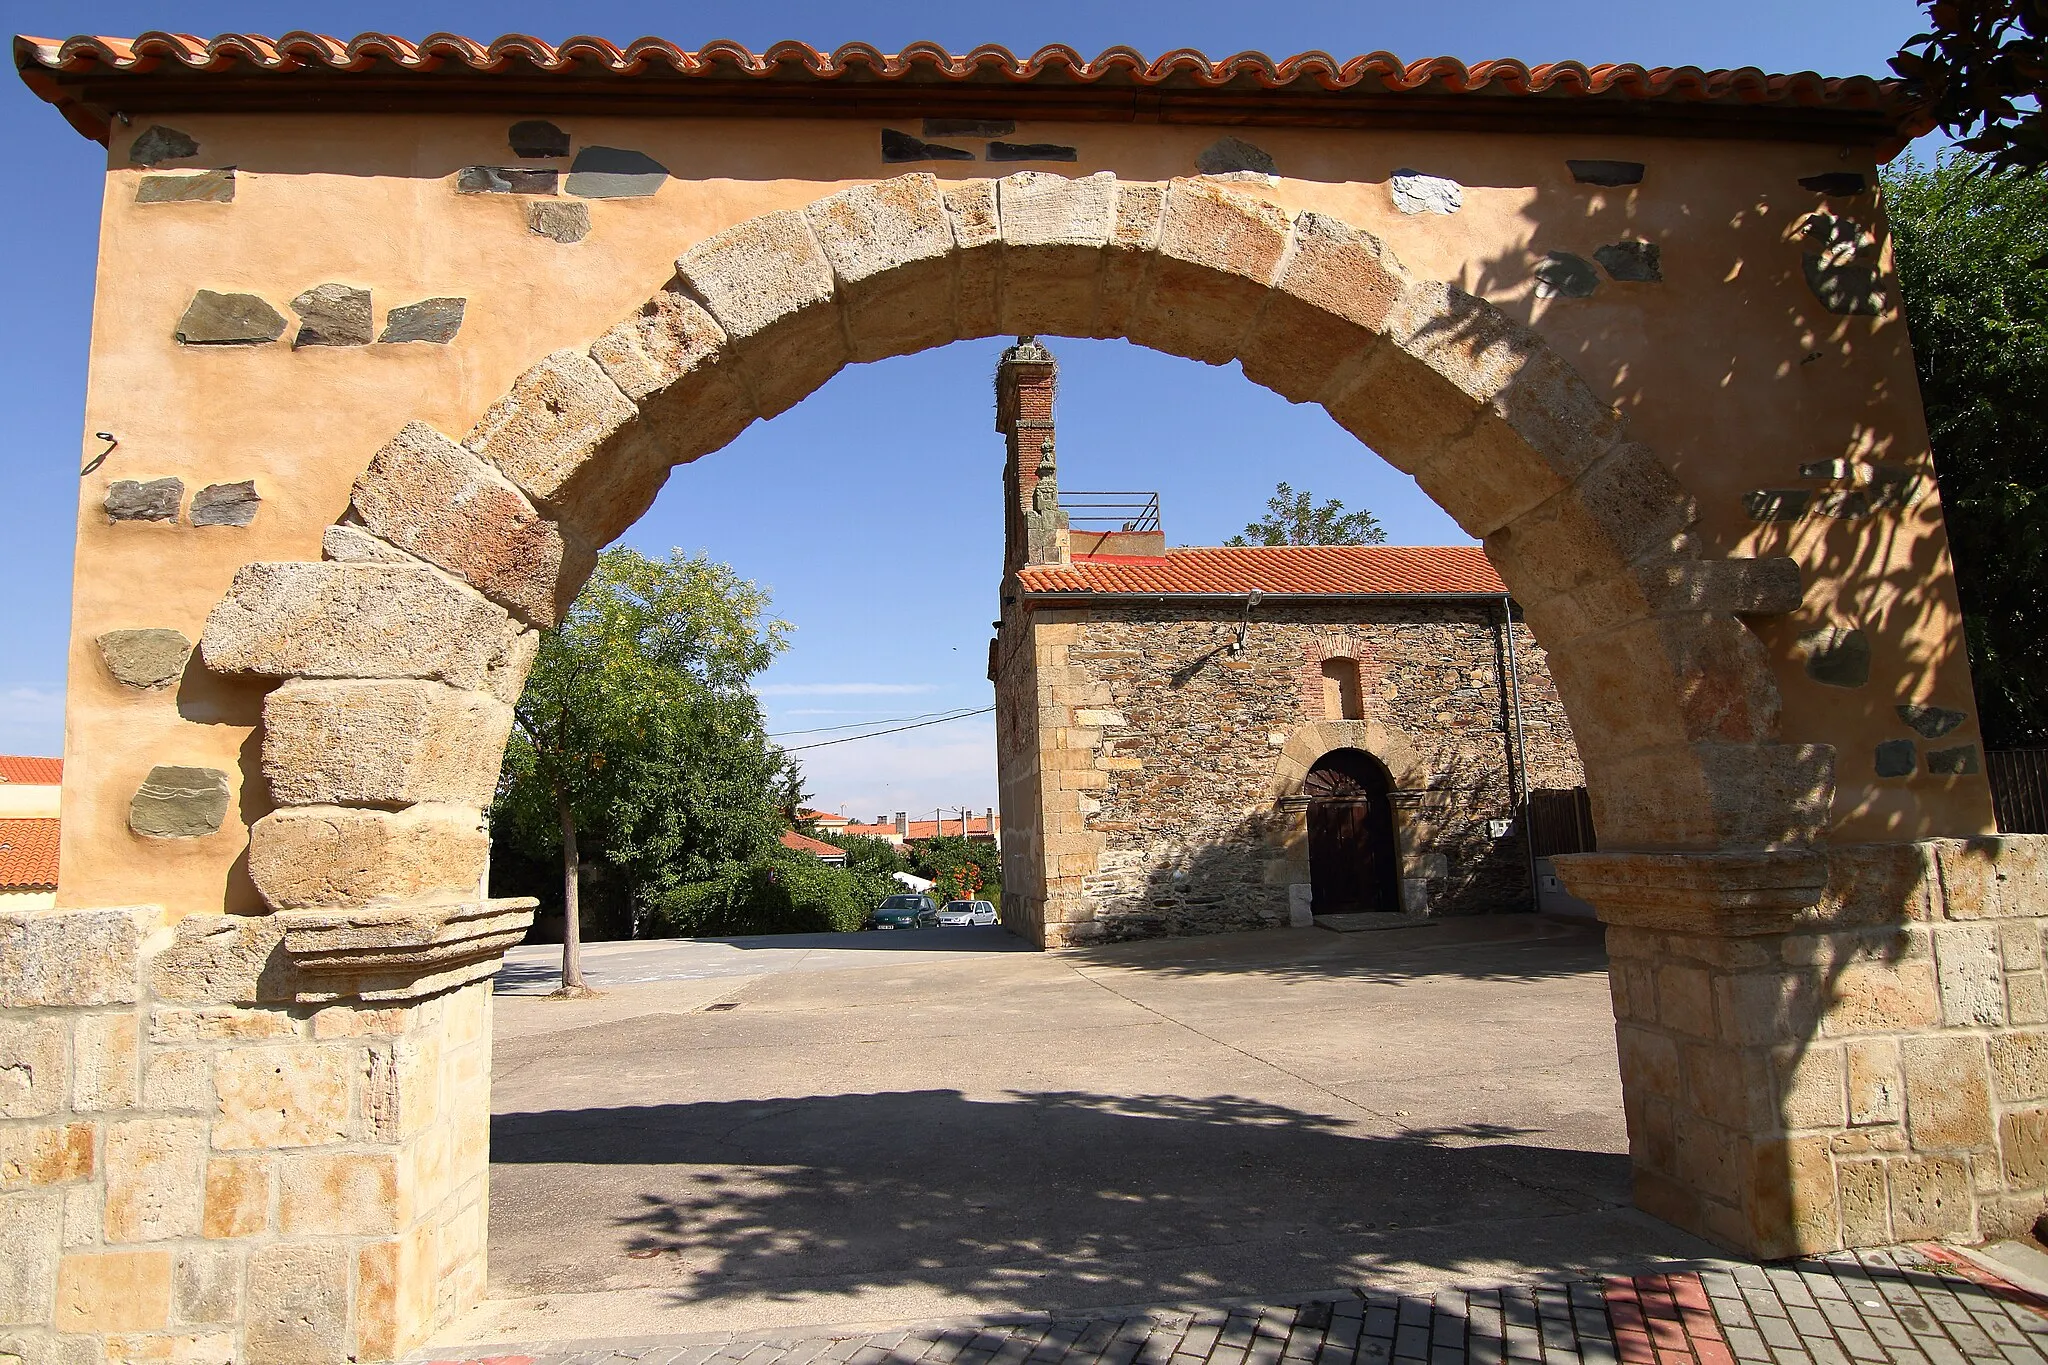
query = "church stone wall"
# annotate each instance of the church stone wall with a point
(1181, 760)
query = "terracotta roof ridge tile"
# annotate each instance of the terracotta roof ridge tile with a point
(299, 48)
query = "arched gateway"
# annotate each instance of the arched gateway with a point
(1712, 502)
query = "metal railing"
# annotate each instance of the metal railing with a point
(1111, 510)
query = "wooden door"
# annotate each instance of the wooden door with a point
(1350, 834)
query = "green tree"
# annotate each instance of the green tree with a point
(1971, 247)
(1296, 519)
(637, 727)
(959, 868)
(1982, 68)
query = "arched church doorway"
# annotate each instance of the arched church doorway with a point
(1351, 860)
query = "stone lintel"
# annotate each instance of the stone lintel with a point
(1725, 894)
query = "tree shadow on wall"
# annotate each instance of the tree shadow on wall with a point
(1041, 1199)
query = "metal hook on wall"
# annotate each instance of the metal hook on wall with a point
(95, 461)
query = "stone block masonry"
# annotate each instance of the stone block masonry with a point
(1170, 769)
(252, 1181)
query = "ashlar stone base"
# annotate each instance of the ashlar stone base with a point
(1832, 1048)
(190, 1180)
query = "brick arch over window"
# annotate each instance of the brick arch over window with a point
(406, 645)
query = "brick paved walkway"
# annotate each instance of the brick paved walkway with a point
(1922, 1305)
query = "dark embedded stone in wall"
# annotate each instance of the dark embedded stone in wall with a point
(898, 146)
(1896, 758)
(179, 803)
(1838, 656)
(156, 500)
(159, 144)
(969, 127)
(1609, 173)
(1031, 151)
(1227, 154)
(1841, 265)
(1931, 722)
(559, 219)
(1852, 289)
(435, 320)
(614, 173)
(508, 180)
(1633, 262)
(1564, 275)
(226, 504)
(1837, 184)
(207, 187)
(1960, 761)
(332, 315)
(1777, 504)
(145, 658)
(537, 137)
(229, 320)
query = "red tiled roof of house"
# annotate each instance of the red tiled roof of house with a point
(804, 843)
(807, 813)
(254, 72)
(34, 772)
(1276, 570)
(977, 827)
(28, 854)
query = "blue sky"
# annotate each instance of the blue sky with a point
(882, 546)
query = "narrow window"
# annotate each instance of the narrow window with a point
(1341, 700)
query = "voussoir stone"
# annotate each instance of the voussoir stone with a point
(353, 544)
(435, 499)
(1330, 305)
(1054, 228)
(153, 656)
(575, 444)
(771, 288)
(890, 246)
(670, 359)
(1218, 250)
(179, 803)
(312, 856)
(350, 620)
(387, 743)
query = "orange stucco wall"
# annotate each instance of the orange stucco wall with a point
(1730, 369)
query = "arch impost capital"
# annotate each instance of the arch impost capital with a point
(400, 952)
(1728, 894)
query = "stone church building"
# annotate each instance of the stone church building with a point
(1201, 739)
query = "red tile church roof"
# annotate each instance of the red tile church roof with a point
(1275, 570)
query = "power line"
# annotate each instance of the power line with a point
(828, 743)
(856, 724)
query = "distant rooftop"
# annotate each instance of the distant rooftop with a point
(32, 772)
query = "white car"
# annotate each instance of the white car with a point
(967, 912)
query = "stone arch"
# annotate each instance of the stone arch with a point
(405, 646)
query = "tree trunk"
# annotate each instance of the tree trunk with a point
(572, 926)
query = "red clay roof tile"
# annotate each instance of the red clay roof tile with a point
(1278, 570)
(803, 843)
(386, 60)
(28, 855)
(35, 772)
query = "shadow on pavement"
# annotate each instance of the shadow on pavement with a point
(1045, 1199)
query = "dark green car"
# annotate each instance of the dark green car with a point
(905, 912)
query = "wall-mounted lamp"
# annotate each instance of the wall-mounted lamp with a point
(1244, 622)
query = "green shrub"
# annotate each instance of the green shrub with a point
(780, 893)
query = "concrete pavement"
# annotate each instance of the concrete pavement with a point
(915, 1126)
